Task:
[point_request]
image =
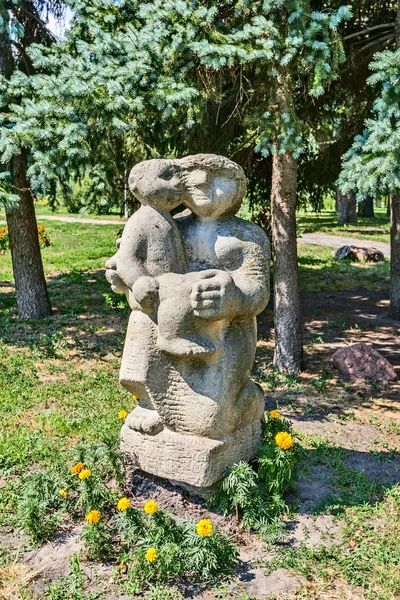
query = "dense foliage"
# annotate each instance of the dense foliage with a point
(131, 80)
(372, 165)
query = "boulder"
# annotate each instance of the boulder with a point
(362, 361)
(358, 254)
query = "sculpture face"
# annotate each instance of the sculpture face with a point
(157, 183)
(210, 194)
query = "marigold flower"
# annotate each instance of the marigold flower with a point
(121, 566)
(284, 440)
(123, 504)
(204, 527)
(85, 474)
(122, 414)
(135, 398)
(150, 507)
(151, 554)
(63, 493)
(77, 468)
(274, 414)
(93, 517)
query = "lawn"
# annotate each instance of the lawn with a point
(59, 386)
(326, 222)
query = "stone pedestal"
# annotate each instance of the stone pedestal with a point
(192, 461)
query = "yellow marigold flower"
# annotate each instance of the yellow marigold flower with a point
(135, 398)
(121, 566)
(122, 414)
(63, 493)
(93, 517)
(274, 414)
(84, 474)
(150, 507)
(151, 554)
(284, 440)
(77, 468)
(204, 527)
(123, 504)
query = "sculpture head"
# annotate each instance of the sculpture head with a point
(214, 185)
(157, 183)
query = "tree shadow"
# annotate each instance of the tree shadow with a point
(87, 318)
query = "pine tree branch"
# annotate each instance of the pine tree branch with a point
(368, 30)
(384, 41)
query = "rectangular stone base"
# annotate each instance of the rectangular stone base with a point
(193, 462)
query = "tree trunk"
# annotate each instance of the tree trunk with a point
(366, 208)
(30, 284)
(395, 256)
(347, 208)
(287, 316)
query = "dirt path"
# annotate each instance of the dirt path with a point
(320, 239)
(76, 220)
(336, 241)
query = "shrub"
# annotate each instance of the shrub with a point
(44, 238)
(254, 491)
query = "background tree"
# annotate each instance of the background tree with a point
(372, 165)
(21, 24)
(149, 76)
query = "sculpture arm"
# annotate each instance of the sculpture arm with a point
(241, 293)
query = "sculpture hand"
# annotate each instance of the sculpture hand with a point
(145, 292)
(214, 296)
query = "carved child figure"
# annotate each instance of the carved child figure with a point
(151, 256)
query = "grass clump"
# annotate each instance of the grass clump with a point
(368, 555)
(254, 492)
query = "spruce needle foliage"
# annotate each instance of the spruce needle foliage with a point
(131, 80)
(372, 165)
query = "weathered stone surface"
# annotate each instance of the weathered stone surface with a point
(362, 361)
(195, 284)
(358, 254)
(192, 460)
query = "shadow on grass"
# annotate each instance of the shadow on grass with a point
(88, 318)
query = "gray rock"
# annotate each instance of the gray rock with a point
(195, 284)
(358, 254)
(362, 361)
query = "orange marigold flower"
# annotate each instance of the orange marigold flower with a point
(151, 554)
(150, 507)
(123, 504)
(93, 517)
(85, 474)
(274, 414)
(284, 440)
(77, 468)
(204, 527)
(122, 414)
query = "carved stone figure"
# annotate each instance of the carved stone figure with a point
(195, 283)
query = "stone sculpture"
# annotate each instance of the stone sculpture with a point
(195, 283)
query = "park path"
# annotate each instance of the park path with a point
(336, 241)
(320, 239)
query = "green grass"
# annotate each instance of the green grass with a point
(326, 221)
(318, 271)
(59, 386)
(368, 556)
